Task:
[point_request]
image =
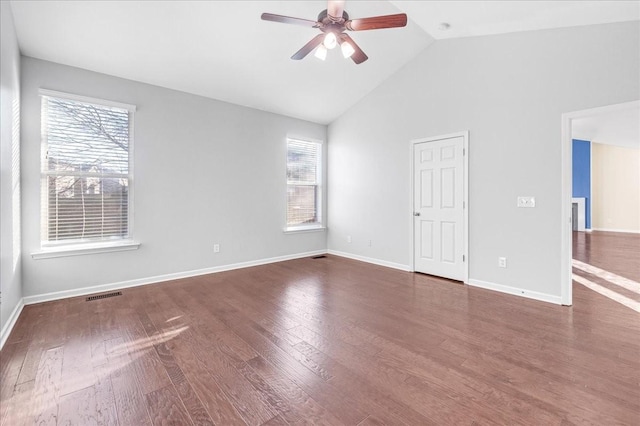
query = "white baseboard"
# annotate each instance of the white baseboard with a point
(626, 231)
(11, 321)
(399, 266)
(475, 283)
(29, 300)
(516, 291)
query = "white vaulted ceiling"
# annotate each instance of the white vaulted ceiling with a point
(223, 50)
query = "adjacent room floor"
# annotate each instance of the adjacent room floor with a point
(608, 263)
(323, 341)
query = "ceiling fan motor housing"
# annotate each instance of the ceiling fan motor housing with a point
(331, 24)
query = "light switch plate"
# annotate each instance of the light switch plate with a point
(526, 201)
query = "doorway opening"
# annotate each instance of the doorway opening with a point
(580, 213)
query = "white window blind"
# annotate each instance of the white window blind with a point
(86, 172)
(303, 183)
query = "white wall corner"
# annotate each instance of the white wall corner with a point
(379, 262)
(11, 322)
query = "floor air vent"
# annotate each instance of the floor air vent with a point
(104, 296)
(321, 256)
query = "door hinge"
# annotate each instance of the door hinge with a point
(463, 258)
(464, 204)
(464, 151)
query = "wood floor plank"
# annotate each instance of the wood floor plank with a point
(300, 408)
(149, 372)
(371, 421)
(218, 406)
(106, 409)
(30, 363)
(96, 342)
(17, 408)
(46, 390)
(130, 403)
(78, 408)
(10, 365)
(77, 367)
(330, 341)
(192, 403)
(165, 408)
(246, 399)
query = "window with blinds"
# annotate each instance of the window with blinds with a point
(304, 166)
(86, 172)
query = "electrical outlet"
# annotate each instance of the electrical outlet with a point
(502, 262)
(216, 248)
(370, 243)
(526, 201)
(349, 239)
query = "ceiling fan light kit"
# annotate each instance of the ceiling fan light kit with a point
(333, 22)
(321, 53)
(347, 49)
(330, 40)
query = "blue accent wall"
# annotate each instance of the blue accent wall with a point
(582, 174)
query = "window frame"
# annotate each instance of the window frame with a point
(319, 224)
(76, 247)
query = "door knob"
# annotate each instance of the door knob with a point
(416, 213)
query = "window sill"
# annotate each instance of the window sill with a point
(299, 229)
(82, 249)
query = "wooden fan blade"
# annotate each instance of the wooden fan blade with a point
(358, 56)
(307, 48)
(335, 9)
(377, 22)
(289, 20)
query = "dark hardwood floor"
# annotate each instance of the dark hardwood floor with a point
(326, 341)
(616, 252)
(610, 263)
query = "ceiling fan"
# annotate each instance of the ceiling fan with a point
(333, 21)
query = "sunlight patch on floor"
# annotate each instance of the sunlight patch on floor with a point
(130, 348)
(623, 282)
(629, 303)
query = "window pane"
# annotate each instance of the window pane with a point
(302, 162)
(85, 185)
(301, 204)
(86, 138)
(87, 208)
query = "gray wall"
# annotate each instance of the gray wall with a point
(509, 91)
(10, 256)
(205, 172)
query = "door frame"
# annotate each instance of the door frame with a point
(566, 240)
(465, 196)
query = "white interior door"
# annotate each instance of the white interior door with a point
(438, 208)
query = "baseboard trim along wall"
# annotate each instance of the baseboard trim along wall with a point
(399, 266)
(13, 318)
(30, 300)
(626, 231)
(543, 297)
(47, 297)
